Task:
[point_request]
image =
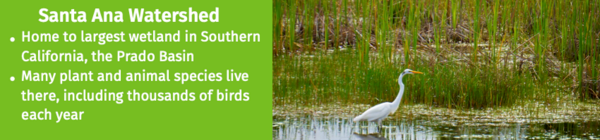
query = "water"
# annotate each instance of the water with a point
(315, 128)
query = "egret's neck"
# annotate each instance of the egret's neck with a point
(399, 97)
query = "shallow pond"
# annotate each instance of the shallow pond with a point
(312, 128)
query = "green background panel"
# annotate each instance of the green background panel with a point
(154, 120)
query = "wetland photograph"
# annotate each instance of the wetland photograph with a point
(429, 69)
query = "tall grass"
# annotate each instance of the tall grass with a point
(475, 54)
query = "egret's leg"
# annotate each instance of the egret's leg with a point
(379, 126)
(368, 126)
(360, 127)
(360, 124)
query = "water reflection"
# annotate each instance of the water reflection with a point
(369, 137)
(422, 128)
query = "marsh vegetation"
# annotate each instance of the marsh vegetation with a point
(526, 57)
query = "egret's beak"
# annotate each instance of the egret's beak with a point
(416, 72)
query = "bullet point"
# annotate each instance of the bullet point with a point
(12, 39)
(12, 78)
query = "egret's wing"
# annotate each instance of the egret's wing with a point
(375, 112)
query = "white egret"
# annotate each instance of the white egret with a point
(378, 112)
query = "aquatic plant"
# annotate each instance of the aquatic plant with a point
(476, 54)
